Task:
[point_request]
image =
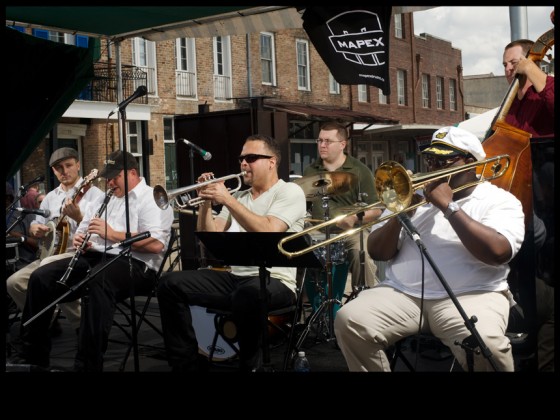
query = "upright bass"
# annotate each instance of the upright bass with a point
(503, 138)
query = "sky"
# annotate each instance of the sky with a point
(480, 32)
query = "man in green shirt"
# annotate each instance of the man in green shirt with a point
(333, 138)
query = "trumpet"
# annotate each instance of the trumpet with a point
(395, 188)
(163, 198)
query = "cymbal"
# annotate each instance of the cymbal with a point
(326, 183)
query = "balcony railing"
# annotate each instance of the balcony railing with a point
(222, 87)
(186, 83)
(103, 86)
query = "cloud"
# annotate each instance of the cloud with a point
(481, 33)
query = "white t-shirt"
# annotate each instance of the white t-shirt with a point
(488, 204)
(286, 201)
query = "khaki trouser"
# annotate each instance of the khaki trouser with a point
(379, 317)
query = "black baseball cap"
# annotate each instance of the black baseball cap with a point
(115, 164)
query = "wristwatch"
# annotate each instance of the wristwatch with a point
(452, 208)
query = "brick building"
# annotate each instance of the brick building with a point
(188, 75)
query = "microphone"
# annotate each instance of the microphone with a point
(130, 241)
(408, 226)
(38, 179)
(15, 240)
(205, 154)
(44, 213)
(141, 91)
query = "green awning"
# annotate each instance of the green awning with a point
(43, 79)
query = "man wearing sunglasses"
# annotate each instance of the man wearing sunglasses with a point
(269, 205)
(471, 234)
(332, 141)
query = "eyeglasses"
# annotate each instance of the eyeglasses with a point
(250, 158)
(441, 163)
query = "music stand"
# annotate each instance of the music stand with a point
(258, 249)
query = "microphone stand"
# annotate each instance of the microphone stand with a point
(134, 332)
(18, 220)
(196, 241)
(470, 343)
(21, 194)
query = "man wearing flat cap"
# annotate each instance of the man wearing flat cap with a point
(65, 164)
(471, 233)
(104, 224)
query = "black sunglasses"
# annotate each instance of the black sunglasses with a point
(250, 158)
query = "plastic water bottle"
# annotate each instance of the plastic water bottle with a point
(301, 364)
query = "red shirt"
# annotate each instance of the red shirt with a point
(535, 112)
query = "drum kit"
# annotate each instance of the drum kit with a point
(325, 288)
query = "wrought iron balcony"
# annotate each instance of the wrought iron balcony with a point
(103, 86)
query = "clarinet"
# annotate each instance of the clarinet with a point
(78, 252)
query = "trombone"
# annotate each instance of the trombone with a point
(395, 188)
(163, 198)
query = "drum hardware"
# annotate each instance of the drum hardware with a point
(361, 283)
(325, 185)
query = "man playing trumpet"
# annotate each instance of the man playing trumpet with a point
(472, 234)
(269, 205)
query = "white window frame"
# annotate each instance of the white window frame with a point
(334, 86)
(425, 90)
(362, 93)
(185, 71)
(135, 136)
(221, 47)
(452, 90)
(439, 92)
(382, 97)
(302, 55)
(401, 87)
(144, 57)
(398, 20)
(268, 59)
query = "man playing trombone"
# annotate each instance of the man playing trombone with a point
(269, 205)
(472, 233)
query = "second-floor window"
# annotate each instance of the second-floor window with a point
(268, 62)
(452, 100)
(401, 87)
(363, 93)
(144, 57)
(334, 86)
(61, 37)
(222, 68)
(382, 97)
(399, 27)
(302, 52)
(185, 74)
(425, 91)
(439, 92)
